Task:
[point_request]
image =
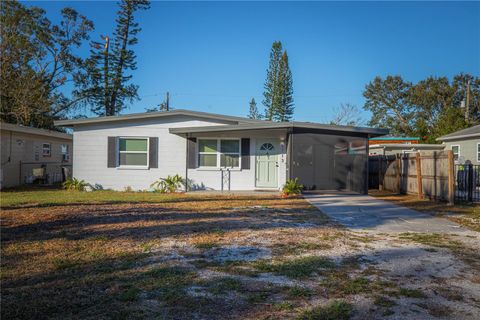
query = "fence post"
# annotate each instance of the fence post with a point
(470, 185)
(418, 164)
(451, 178)
(221, 179)
(399, 166)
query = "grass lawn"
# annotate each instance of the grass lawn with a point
(464, 214)
(126, 255)
(41, 197)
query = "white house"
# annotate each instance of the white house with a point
(218, 152)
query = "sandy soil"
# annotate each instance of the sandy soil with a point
(247, 258)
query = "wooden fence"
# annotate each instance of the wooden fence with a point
(427, 174)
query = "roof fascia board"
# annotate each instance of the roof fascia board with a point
(463, 136)
(35, 131)
(277, 125)
(412, 145)
(148, 115)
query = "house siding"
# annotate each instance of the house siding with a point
(242, 179)
(468, 148)
(90, 155)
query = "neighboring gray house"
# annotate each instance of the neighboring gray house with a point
(218, 152)
(403, 148)
(465, 144)
(32, 155)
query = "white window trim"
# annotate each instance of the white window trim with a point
(478, 152)
(459, 151)
(49, 149)
(219, 153)
(133, 166)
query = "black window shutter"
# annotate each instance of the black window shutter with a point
(191, 151)
(112, 152)
(153, 152)
(245, 153)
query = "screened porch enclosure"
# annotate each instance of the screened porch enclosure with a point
(329, 162)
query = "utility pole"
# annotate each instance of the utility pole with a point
(467, 106)
(168, 101)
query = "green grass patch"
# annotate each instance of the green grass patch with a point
(299, 292)
(257, 297)
(339, 283)
(297, 268)
(168, 283)
(336, 310)
(432, 239)
(206, 245)
(411, 293)
(384, 302)
(284, 306)
(224, 285)
(130, 294)
(49, 197)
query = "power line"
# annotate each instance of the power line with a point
(247, 97)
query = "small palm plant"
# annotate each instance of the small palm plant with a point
(169, 184)
(74, 184)
(292, 187)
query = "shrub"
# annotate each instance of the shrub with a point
(292, 187)
(169, 184)
(73, 184)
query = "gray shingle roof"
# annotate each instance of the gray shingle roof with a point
(464, 133)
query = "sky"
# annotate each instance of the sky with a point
(213, 56)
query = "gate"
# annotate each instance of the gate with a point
(467, 183)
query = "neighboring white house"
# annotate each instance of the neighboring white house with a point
(218, 152)
(465, 144)
(31, 155)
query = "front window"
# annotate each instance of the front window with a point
(456, 152)
(46, 149)
(230, 153)
(133, 152)
(215, 153)
(207, 153)
(478, 152)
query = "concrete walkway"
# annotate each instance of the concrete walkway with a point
(362, 212)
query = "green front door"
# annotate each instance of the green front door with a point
(267, 164)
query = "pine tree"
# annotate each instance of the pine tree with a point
(284, 109)
(270, 95)
(278, 94)
(107, 84)
(254, 114)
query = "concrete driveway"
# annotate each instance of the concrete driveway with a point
(362, 212)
